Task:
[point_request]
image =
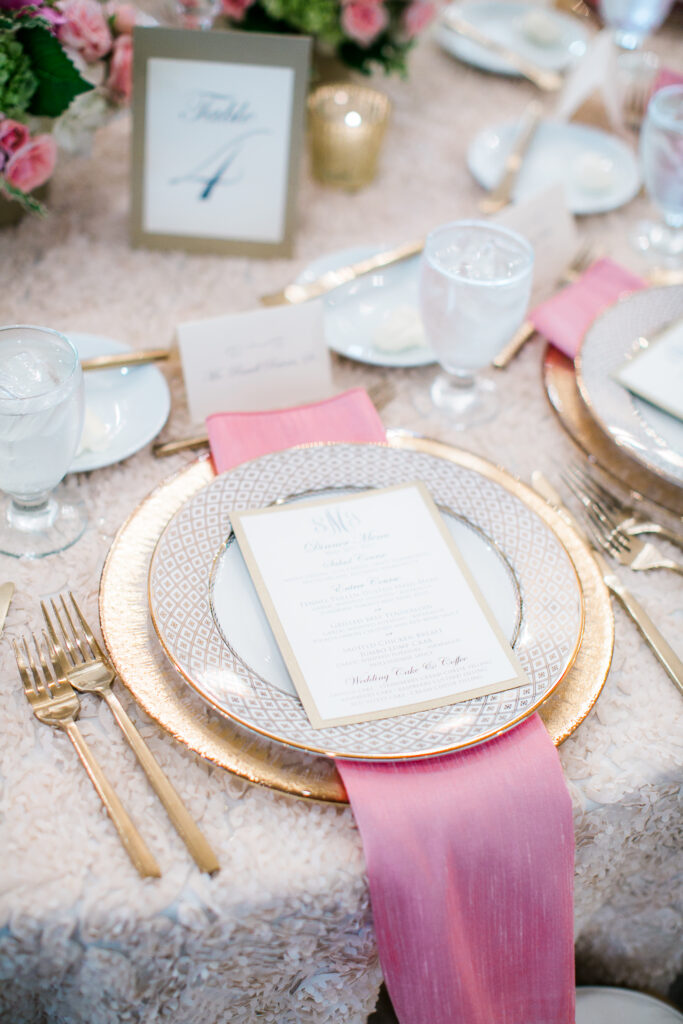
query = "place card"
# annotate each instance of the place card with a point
(546, 222)
(655, 373)
(262, 359)
(218, 127)
(372, 606)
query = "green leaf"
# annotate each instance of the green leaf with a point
(23, 198)
(58, 79)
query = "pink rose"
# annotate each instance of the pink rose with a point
(363, 20)
(13, 135)
(125, 18)
(33, 164)
(85, 29)
(416, 17)
(235, 9)
(120, 81)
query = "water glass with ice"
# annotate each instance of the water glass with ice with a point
(41, 418)
(475, 284)
(661, 153)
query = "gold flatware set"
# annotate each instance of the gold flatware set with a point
(658, 644)
(502, 193)
(67, 658)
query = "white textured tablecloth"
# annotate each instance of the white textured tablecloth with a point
(284, 932)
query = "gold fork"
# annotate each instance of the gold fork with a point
(581, 261)
(637, 554)
(82, 661)
(623, 515)
(54, 702)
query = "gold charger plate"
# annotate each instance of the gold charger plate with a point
(627, 474)
(144, 669)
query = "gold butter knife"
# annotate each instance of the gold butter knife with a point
(501, 195)
(294, 293)
(549, 81)
(6, 592)
(659, 646)
(117, 360)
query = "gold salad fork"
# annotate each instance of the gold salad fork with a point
(54, 702)
(81, 659)
(637, 554)
(623, 514)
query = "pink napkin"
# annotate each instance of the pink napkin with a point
(470, 856)
(666, 76)
(565, 318)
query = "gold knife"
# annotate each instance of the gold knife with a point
(119, 359)
(658, 644)
(502, 193)
(6, 592)
(549, 81)
(294, 293)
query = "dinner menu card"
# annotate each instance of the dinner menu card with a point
(656, 371)
(372, 606)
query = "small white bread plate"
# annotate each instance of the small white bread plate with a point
(599, 172)
(550, 39)
(125, 408)
(356, 313)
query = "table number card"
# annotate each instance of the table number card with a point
(218, 122)
(373, 609)
(656, 372)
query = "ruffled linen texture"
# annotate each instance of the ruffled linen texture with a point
(284, 933)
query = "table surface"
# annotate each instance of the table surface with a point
(284, 932)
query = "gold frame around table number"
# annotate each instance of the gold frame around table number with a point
(144, 669)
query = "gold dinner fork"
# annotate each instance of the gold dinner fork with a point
(624, 515)
(54, 702)
(637, 554)
(82, 661)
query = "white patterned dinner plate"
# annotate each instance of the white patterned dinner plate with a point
(124, 409)
(510, 550)
(361, 317)
(550, 39)
(648, 434)
(598, 171)
(598, 1005)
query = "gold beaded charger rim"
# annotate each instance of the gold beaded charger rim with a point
(563, 393)
(160, 691)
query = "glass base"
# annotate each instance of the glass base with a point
(35, 532)
(659, 242)
(466, 401)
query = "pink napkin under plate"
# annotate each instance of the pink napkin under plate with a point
(470, 856)
(564, 319)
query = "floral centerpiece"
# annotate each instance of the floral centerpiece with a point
(362, 34)
(65, 65)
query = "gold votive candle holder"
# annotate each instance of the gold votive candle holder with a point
(346, 127)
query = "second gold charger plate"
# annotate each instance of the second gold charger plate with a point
(627, 474)
(144, 669)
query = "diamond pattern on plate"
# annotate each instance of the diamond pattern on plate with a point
(179, 598)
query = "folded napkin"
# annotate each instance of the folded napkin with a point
(666, 76)
(565, 318)
(470, 856)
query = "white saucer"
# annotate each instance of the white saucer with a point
(130, 405)
(553, 157)
(504, 23)
(597, 1005)
(356, 311)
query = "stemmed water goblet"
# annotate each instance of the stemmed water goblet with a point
(661, 152)
(41, 418)
(475, 284)
(632, 21)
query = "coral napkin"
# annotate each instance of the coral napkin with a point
(470, 856)
(565, 318)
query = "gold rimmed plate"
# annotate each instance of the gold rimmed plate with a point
(180, 605)
(624, 472)
(144, 669)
